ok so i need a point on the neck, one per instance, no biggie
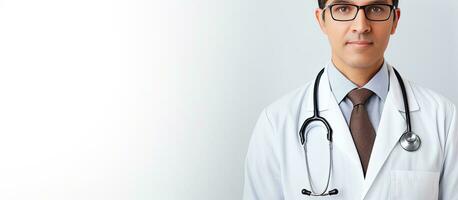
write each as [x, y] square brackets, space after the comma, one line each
[359, 75]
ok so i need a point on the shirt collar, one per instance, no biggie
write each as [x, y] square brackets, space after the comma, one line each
[341, 86]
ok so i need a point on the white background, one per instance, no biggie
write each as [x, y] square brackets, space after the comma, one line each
[76, 99]
[157, 100]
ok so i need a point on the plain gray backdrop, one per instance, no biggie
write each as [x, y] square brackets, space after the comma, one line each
[233, 58]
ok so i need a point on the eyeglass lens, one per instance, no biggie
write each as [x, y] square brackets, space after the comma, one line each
[346, 12]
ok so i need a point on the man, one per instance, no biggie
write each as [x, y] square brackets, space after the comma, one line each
[361, 97]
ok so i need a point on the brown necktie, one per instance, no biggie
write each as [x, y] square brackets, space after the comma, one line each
[361, 128]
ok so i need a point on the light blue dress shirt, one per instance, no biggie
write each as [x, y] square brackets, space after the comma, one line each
[341, 86]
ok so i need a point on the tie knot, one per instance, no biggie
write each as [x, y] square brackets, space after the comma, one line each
[359, 96]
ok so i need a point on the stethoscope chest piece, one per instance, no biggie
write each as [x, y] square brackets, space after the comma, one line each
[410, 141]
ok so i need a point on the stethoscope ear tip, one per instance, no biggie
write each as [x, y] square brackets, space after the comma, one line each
[334, 192]
[306, 192]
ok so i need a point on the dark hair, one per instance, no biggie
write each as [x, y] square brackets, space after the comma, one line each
[322, 3]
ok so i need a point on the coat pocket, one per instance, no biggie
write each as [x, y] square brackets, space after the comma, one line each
[414, 185]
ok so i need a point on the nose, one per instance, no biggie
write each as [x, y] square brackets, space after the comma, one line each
[361, 24]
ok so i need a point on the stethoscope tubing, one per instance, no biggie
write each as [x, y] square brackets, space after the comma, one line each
[404, 98]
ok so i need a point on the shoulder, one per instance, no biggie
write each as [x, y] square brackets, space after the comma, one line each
[429, 99]
[289, 105]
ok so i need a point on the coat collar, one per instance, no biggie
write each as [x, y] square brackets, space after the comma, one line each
[396, 89]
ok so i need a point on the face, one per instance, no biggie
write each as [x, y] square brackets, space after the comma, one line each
[360, 43]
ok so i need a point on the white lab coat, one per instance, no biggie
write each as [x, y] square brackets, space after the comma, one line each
[275, 164]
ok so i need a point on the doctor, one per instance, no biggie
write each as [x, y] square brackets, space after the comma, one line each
[366, 153]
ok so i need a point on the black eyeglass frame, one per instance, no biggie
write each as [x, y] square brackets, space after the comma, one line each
[392, 7]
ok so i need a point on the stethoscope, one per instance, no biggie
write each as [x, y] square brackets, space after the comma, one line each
[409, 141]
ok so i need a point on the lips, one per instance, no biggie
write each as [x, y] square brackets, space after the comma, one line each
[360, 42]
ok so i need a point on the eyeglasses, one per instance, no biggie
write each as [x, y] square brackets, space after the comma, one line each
[348, 12]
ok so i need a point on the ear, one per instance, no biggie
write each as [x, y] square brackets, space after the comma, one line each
[397, 13]
[320, 20]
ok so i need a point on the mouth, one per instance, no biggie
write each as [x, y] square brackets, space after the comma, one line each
[360, 43]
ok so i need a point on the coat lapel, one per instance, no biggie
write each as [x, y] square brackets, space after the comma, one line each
[392, 126]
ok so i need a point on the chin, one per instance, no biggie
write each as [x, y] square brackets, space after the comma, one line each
[363, 61]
